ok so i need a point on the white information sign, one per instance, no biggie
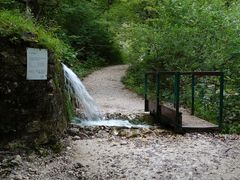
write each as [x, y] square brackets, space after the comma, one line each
[37, 64]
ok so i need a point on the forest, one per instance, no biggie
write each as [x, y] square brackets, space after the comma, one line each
[167, 35]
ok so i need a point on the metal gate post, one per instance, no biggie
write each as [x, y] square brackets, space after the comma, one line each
[177, 98]
[193, 94]
[174, 95]
[158, 94]
[221, 101]
[145, 92]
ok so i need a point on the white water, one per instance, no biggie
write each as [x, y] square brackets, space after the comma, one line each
[85, 101]
[110, 122]
[83, 98]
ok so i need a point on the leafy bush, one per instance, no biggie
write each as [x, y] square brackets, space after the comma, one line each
[86, 34]
[185, 35]
[87, 42]
[14, 23]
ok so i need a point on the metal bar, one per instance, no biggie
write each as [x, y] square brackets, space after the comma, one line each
[151, 72]
[196, 73]
[167, 72]
[158, 95]
[203, 73]
[146, 92]
[146, 85]
[221, 101]
[174, 91]
[193, 94]
[177, 98]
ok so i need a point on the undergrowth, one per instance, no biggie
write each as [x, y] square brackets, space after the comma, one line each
[15, 23]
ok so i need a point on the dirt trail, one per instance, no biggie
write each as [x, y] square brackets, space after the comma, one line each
[105, 153]
[110, 94]
[166, 156]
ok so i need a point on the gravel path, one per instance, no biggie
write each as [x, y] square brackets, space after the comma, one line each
[110, 94]
[102, 153]
[167, 156]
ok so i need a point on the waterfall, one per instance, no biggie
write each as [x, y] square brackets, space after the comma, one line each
[83, 98]
[90, 109]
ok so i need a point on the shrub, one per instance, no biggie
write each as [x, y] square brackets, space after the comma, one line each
[86, 34]
[185, 35]
[14, 23]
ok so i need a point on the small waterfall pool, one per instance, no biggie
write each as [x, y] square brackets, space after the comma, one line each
[84, 101]
[110, 122]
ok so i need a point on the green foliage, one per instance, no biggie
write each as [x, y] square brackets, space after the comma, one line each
[183, 35]
[89, 37]
[40, 9]
[77, 23]
[10, 4]
[13, 23]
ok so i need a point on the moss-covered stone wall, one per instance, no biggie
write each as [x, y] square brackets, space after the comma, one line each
[33, 110]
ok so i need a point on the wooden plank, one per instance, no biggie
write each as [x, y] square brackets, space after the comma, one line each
[189, 123]
[168, 112]
[195, 124]
[168, 116]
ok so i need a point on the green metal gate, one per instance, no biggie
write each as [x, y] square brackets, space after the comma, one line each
[173, 117]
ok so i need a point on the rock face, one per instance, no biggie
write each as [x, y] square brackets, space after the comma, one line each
[33, 110]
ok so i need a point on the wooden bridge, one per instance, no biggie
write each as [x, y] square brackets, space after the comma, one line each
[174, 115]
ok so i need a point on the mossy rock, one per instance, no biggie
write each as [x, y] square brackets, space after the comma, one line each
[33, 110]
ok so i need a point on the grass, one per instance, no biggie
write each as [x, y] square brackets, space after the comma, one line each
[16, 25]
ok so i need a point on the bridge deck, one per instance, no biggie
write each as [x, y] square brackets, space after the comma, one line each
[189, 122]
[177, 117]
[193, 123]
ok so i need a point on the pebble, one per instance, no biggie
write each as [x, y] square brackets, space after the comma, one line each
[73, 131]
[75, 138]
[124, 143]
[115, 132]
[78, 165]
[17, 160]
[113, 165]
[18, 177]
[32, 170]
[70, 172]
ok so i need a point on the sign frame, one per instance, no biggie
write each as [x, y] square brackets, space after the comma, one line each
[37, 64]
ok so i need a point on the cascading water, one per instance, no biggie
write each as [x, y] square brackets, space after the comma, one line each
[83, 98]
[90, 109]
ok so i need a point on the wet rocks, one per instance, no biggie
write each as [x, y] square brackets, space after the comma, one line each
[126, 116]
[73, 131]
